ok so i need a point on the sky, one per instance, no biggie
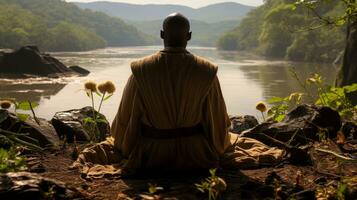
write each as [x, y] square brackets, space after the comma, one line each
[191, 3]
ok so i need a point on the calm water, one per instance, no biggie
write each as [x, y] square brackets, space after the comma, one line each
[245, 79]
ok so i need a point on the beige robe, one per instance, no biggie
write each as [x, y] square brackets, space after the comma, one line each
[173, 89]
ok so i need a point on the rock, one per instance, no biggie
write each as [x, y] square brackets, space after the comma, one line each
[80, 70]
[24, 185]
[349, 129]
[71, 123]
[43, 133]
[29, 60]
[300, 125]
[242, 123]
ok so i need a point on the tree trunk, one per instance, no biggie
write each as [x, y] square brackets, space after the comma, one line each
[348, 72]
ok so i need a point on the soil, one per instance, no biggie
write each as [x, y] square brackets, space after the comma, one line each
[326, 171]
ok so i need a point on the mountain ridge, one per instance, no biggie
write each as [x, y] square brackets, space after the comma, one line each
[149, 12]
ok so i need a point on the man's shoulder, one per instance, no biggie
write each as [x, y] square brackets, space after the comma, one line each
[147, 60]
[205, 63]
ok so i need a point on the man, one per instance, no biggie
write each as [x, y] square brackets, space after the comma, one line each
[172, 114]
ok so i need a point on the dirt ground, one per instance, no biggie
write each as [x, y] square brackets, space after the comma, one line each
[326, 171]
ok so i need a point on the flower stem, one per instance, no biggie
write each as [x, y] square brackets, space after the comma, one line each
[101, 102]
[263, 116]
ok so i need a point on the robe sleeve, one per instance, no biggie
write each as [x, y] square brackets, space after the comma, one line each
[125, 127]
[215, 118]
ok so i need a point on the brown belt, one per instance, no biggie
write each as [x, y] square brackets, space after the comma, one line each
[154, 133]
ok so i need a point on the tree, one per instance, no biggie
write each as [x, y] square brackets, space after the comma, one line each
[347, 17]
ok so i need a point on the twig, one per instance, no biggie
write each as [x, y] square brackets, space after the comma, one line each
[33, 113]
[336, 154]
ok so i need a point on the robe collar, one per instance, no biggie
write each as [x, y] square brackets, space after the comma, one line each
[174, 50]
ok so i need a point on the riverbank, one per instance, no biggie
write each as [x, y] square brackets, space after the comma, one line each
[314, 166]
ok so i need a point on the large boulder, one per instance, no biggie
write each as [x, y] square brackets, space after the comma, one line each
[29, 60]
[24, 185]
[304, 124]
[40, 132]
[72, 123]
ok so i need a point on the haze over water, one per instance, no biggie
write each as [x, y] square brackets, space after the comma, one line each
[245, 79]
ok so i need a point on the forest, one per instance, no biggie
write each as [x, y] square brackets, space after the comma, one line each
[54, 25]
[276, 30]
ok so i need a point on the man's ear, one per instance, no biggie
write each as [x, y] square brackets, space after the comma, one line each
[189, 36]
[162, 34]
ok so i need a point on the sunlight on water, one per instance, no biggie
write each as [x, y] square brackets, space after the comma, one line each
[245, 79]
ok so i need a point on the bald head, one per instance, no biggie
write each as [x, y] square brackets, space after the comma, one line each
[176, 30]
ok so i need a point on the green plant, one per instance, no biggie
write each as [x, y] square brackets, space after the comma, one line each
[213, 185]
[153, 188]
[324, 95]
[6, 104]
[104, 91]
[16, 138]
[11, 161]
[341, 191]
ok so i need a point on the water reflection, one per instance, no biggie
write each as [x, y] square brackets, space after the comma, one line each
[30, 90]
[245, 79]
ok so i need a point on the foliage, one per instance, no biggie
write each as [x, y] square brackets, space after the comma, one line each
[104, 91]
[25, 105]
[11, 161]
[56, 25]
[343, 190]
[275, 30]
[153, 188]
[349, 13]
[315, 91]
[213, 185]
[16, 138]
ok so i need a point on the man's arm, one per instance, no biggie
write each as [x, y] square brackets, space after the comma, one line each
[215, 118]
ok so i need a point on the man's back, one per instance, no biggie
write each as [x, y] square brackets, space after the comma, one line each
[173, 84]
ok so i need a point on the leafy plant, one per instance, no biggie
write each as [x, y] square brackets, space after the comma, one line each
[25, 105]
[104, 91]
[212, 185]
[11, 161]
[153, 188]
[325, 95]
[16, 138]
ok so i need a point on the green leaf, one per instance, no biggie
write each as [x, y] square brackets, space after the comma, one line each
[279, 118]
[88, 120]
[98, 94]
[276, 100]
[22, 117]
[350, 88]
[101, 121]
[107, 97]
[26, 105]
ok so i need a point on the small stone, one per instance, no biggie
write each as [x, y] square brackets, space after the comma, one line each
[242, 123]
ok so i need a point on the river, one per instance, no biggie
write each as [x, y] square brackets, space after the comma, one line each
[245, 79]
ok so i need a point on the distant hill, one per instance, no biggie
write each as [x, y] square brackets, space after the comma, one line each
[150, 12]
[212, 13]
[204, 34]
[56, 25]
[207, 23]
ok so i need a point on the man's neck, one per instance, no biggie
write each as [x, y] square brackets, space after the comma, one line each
[174, 49]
